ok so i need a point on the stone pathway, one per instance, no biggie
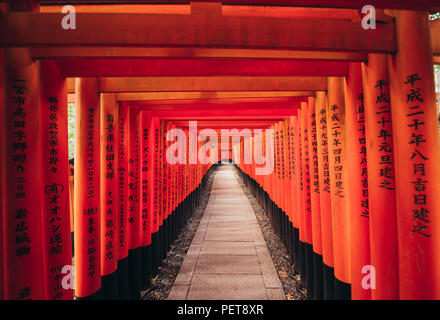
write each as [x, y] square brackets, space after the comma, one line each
[228, 258]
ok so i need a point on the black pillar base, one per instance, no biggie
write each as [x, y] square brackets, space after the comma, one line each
[146, 267]
[286, 231]
[342, 290]
[302, 263]
[291, 239]
[297, 250]
[308, 251]
[168, 240]
[109, 286]
[95, 296]
[154, 254]
[161, 241]
[134, 258]
[329, 282]
[318, 285]
[72, 239]
[123, 279]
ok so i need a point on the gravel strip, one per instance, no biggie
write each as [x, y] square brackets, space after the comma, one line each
[163, 282]
[284, 263]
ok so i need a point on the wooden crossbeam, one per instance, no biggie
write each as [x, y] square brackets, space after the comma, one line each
[206, 84]
[121, 8]
[428, 5]
[226, 124]
[199, 31]
[235, 10]
[208, 95]
[133, 52]
[226, 10]
[223, 104]
[198, 95]
[224, 114]
[199, 67]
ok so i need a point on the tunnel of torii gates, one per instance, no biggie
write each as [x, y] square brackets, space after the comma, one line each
[355, 186]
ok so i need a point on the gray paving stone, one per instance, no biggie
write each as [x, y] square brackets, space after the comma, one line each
[178, 292]
[229, 247]
[229, 218]
[228, 235]
[188, 266]
[228, 264]
[257, 235]
[228, 225]
[269, 272]
[275, 294]
[227, 287]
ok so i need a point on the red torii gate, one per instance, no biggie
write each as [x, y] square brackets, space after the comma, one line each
[400, 134]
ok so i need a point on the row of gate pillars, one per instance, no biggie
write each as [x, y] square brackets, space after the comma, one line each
[129, 204]
[135, 272]
[353, 194]
[384, 110]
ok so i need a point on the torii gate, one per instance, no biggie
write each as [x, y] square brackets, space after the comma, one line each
[353, 111]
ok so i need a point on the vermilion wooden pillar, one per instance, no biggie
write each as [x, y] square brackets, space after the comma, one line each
[154, 203]
[288, 153]
[133, 203]
[277, 179]
[314, 177]
[21, 223]
[357, 194]
[281, 128]
[285, 182]
[381, 178]
[275, 176]
[174, 189]
[109, 194]
[338, 185]
[306, 194]
[122, 216]
[161, 192]
[291, 122]
[288, 166]
[282, 181]
[307, 209]
[169, 192]
[300, 184]
[146, 217]
[55, 211]
[133, 208]
[417, 157]
[295, 187]
[179, 187]
[175, 199]
[166, 187]
[299, 255]
[315, 191]
[186, 170]
[87, 189]
[324, 195]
